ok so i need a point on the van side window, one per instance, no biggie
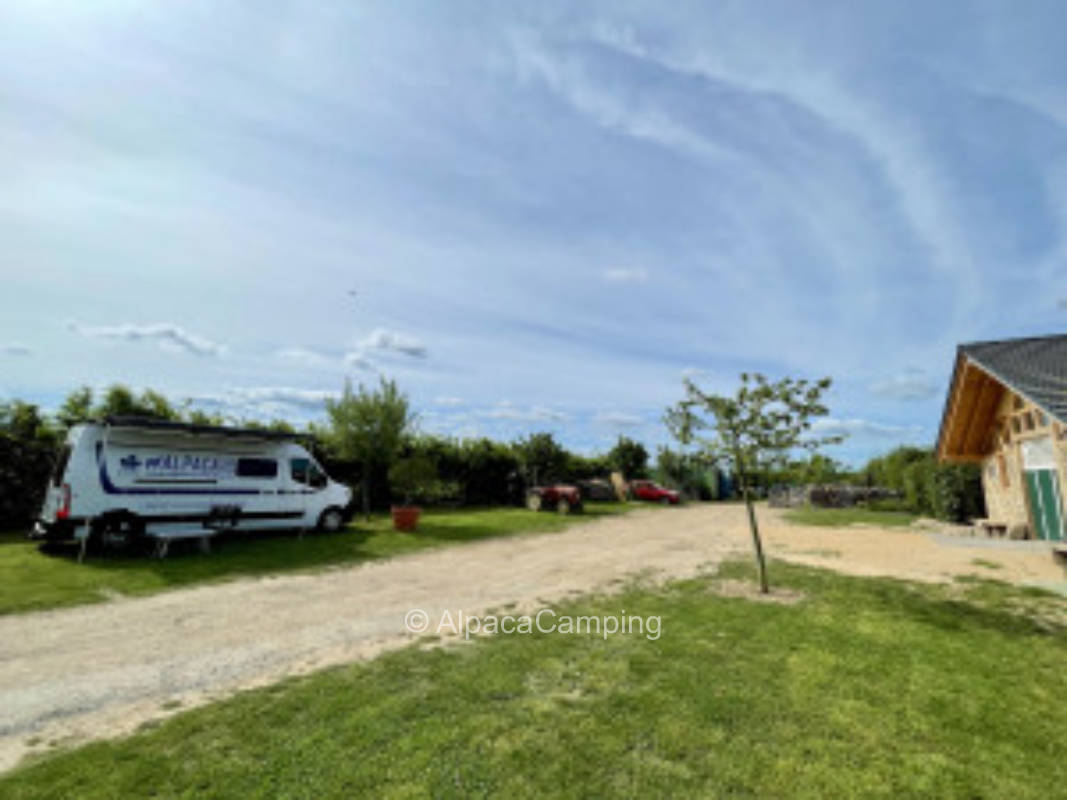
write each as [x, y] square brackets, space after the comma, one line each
[257, 468]
[61, 465]
[317, 478]
[299, 468]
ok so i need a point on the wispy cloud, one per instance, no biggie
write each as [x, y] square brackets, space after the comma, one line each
[167, 335]
[618, 419]
[305, 356]
[625, 275]
[314, 399]
[392, 341]
[512, 413]
[357, 360]
[265, 400]
[912, 384]
[448, 401]
[863, 428]
[383, 342]
[15, 349]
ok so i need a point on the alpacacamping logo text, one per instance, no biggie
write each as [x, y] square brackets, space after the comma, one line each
[459, 623]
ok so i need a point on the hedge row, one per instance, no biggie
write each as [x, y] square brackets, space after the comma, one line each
[951, 492]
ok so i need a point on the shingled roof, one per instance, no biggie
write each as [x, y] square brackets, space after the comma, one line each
[1034, 368]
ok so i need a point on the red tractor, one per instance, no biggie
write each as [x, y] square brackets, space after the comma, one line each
[561, 497]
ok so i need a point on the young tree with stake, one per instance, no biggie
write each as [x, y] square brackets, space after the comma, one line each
[755, 429]
[369, 426]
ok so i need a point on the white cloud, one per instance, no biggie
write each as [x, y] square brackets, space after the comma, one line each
[15, 349]
[167, 335]
[909, 385]
[382, 339]
[449, 401]
[618, 419]
[862, 428]
[625, 275]
[305, 357]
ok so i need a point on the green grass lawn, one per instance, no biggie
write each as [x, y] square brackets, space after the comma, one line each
[31, 579]
[840, 517]
[866, 687]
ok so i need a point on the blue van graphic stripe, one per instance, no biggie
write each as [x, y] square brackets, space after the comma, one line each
[110, 488]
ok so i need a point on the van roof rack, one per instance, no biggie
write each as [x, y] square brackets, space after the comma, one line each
[154, 423]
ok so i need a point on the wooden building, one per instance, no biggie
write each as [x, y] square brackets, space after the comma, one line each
[1007, 410]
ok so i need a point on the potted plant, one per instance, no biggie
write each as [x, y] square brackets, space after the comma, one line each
[411, 479]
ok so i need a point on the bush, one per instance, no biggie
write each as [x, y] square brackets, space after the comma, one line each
[24, 470]
[952, 492]
[688, 473]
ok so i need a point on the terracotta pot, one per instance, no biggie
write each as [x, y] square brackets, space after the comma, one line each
[406, 518]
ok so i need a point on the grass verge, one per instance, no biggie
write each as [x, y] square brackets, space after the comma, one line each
[31, 579]
[841, 517]
[866, 687]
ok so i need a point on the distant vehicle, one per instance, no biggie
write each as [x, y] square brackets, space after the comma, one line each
[563, 498]
[131, 479]
[652, 492]
[597, 489]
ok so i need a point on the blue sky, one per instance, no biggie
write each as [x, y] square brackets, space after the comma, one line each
[534, 216]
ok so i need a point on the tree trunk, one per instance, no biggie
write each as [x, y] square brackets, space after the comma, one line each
[366, 497]
[757, 544]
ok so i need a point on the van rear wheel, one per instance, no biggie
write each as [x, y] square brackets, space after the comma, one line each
[331, 520]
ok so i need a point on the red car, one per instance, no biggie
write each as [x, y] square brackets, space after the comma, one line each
[647, 490]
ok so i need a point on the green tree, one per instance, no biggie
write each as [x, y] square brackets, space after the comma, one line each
[413, 479]
[196, 416]
[689, 472]
[77, 407]
[756, 430]
[818, 469]
[120, 400]
[542, 458]
[629, 457]
[24, 422]
[369, 426]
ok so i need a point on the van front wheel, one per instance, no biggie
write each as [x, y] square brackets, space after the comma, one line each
[331, 520]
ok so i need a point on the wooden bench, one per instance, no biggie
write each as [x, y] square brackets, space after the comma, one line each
[163, 540]
[991, 528]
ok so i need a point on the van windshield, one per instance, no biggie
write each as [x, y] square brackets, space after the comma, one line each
[306, 471]
[60, 466]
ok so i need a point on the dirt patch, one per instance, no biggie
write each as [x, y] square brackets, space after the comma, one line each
[749, 590]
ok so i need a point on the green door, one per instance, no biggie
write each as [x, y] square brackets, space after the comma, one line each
[1044, 490]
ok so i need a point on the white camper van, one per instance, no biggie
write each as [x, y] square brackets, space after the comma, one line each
[131, 477]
